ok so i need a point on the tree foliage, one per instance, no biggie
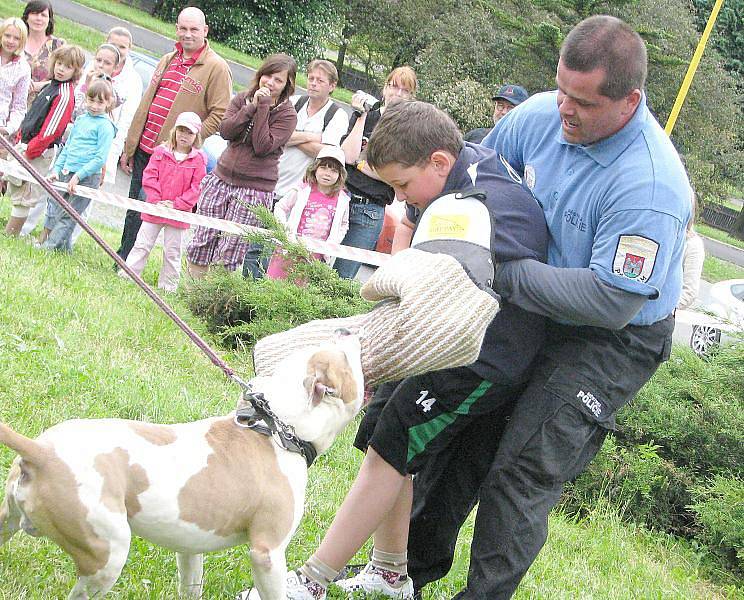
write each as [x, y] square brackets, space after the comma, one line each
[262, 27]
[728, 34]
[463, 50]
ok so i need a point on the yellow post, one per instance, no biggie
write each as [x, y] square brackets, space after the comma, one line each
[682, 94]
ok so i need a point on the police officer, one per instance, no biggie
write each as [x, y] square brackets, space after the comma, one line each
[616, 199]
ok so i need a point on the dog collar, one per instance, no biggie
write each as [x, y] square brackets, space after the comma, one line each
[258, 417]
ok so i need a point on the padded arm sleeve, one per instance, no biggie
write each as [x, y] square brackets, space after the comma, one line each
[577, 296]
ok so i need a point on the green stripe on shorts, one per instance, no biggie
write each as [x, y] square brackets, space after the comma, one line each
[420, 435]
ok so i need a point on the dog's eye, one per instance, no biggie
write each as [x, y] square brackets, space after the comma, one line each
[331, 391]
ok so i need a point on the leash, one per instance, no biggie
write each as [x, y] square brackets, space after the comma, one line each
[284, 432]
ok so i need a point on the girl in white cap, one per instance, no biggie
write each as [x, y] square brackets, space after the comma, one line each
[319, 209]
[171, 179]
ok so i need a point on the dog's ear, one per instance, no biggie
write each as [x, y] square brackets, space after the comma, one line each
[315, 389]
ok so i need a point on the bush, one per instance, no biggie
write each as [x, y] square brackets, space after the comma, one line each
[719, 508]
[262, 27]
[638, 483]
[243, 311]
[467, 102]
[685, 425]
[692, 409]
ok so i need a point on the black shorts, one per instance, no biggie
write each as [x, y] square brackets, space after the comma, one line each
[409, 421]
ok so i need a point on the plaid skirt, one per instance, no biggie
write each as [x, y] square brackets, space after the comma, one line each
[229, 202]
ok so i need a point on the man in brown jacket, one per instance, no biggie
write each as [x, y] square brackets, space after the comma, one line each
[191, 78]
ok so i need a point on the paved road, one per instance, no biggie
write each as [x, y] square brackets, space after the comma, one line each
[724, 251]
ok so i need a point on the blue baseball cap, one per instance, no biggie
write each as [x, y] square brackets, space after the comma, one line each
[514, 94]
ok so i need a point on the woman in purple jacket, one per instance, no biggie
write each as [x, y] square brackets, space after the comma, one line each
[257, 124]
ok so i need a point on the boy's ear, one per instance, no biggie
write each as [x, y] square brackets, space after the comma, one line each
[442, 162]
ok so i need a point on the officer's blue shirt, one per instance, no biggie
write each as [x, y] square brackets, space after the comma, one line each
[619, 207]
[518, 228]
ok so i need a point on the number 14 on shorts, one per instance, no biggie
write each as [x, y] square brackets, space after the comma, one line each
[425, 401]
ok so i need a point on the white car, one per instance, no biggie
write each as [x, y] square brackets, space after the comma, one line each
[720, 318]
[145, 65]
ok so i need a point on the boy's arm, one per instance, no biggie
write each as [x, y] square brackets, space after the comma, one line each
[403, 235]
[57, 119]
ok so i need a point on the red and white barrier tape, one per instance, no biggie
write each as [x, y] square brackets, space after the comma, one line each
[322, 247]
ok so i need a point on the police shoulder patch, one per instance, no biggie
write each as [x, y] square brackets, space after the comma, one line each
[635, 257]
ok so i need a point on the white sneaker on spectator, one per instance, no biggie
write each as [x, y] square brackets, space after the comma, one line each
[373, 580]
[299, 587]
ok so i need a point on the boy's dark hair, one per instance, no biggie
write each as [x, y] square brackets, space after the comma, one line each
[73, 56]
[274, 64]
[409, 132]
[39, 6]
[604, 42]
[326, 162]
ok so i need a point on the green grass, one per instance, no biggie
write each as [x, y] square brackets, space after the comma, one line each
[77, 341]
[715, 269]
[719, 235]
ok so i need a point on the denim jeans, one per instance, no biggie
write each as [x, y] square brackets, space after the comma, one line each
[253, 265]
[365, 226]
[59, 222]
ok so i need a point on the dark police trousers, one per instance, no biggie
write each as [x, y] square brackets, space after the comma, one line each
[583, 375]
[133, 220]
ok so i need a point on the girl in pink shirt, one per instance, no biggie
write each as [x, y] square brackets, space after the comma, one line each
[319, 209]
[171, 179]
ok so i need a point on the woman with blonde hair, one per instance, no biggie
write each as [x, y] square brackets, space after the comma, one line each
[369, 195]
[15, 75]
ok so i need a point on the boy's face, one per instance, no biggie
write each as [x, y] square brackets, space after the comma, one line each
[62, 71]
[417, 185]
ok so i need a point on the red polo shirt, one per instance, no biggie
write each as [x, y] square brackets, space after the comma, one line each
[165, 95]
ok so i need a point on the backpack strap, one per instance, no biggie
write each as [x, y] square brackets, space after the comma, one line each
[329, 114]
[302, 101]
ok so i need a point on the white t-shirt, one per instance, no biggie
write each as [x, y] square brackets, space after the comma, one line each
[294, 162]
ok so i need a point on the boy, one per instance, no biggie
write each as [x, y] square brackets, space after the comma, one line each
[418, 150]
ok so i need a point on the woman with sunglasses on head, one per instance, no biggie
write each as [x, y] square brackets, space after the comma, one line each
[369, 195]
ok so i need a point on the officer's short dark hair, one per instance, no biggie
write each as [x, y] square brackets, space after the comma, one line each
[604, 42]
[409, 132]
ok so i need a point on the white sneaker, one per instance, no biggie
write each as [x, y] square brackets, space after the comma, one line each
[372, 580]
[299, 587]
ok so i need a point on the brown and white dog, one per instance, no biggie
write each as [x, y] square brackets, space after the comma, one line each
[193, 487]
